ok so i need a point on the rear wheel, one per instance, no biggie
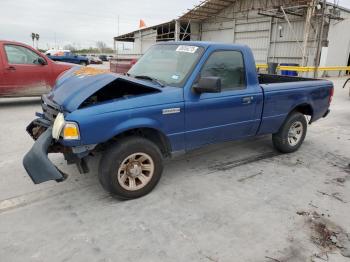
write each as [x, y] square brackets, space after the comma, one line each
[83, 63]
[292, 133]
[131, 168]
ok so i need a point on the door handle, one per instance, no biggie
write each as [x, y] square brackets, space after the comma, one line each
[247, 100]
[11, 68]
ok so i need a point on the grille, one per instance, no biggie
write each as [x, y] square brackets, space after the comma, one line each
[50, 109]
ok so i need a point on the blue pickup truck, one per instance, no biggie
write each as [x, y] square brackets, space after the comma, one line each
[68, 57]
[179, 96]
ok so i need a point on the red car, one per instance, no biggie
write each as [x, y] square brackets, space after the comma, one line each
[26, 72]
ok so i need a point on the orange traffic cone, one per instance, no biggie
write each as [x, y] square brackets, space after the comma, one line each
[142, 24]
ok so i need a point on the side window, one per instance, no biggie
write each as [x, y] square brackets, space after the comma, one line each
[20, 55]
[229, 66]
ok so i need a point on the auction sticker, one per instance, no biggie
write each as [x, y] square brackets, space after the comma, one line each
[176, 77]
[187, 48]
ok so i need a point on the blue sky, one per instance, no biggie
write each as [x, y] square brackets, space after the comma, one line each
[83, 22]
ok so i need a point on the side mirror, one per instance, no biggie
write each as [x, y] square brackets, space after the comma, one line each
[41, 61]
[209, 84]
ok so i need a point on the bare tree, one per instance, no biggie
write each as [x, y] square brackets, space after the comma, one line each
[69, 47]
[101, 46]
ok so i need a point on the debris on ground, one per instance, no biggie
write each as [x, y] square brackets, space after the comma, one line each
[335, 195]
[340, 180]
[326, 235]
[303, 213]
[273, 259]
[323, 256]
[249, 177]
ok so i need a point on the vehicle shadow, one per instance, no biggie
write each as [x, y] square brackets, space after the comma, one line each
[220, 157]
[206, 161]
[14, 102]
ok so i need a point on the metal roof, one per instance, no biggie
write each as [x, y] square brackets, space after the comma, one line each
[212, 8]
[207, 9]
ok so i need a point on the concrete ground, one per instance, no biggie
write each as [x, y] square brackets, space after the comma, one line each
[238, 201]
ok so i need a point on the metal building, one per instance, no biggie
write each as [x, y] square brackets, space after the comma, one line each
[303, 32]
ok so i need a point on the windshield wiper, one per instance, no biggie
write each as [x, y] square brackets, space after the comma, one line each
[151, 79]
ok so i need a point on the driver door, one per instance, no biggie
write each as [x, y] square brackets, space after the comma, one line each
[23, 74]
[227, 115]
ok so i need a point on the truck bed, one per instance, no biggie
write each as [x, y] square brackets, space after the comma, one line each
[272, 79]
[283, 93]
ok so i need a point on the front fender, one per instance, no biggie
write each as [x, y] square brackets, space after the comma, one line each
[134, 123]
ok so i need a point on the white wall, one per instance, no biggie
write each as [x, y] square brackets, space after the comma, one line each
[254, 32]
[339, 44]
[218, 32]
[144, 40]
[195, 34]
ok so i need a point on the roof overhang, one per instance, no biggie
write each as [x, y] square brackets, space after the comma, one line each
[130, 37]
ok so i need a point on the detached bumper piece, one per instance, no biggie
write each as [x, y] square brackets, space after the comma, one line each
[327, 112]
[37, 164]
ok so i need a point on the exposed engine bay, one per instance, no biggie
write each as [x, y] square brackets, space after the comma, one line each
[119, 88]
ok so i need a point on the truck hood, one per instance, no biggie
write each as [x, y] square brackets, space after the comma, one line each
[78, 84]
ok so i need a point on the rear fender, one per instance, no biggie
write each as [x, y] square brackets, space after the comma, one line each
[305, 108]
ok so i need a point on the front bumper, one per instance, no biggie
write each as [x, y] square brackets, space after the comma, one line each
[37, 163]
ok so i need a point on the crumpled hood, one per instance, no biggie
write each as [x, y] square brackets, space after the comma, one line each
[78, 84]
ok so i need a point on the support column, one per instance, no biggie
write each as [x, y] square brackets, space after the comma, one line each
[319, 40]
[177, 30]
[310, 13]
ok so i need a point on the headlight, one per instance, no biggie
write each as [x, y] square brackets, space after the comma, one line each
[71, 131]
[68, 130]
[58, 126]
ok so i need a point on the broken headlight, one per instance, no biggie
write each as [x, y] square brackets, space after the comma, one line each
[67, 130]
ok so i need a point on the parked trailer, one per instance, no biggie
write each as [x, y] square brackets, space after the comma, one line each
[121, 65]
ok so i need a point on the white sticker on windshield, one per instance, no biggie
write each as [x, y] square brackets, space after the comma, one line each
[187, 48]
[176, 77]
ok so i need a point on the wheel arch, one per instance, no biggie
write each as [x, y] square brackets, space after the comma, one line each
[150, 133]
[304, 108]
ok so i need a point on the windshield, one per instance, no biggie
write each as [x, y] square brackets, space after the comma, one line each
[170, 64]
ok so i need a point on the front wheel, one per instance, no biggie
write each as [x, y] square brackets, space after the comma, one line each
[83, 63]
[292, 133]
[131, 168]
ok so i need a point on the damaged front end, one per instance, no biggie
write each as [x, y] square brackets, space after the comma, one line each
[53, 132]
[42, 130]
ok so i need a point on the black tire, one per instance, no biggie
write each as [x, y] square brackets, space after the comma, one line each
[113, 159]
[83, 63]
[281, 139]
